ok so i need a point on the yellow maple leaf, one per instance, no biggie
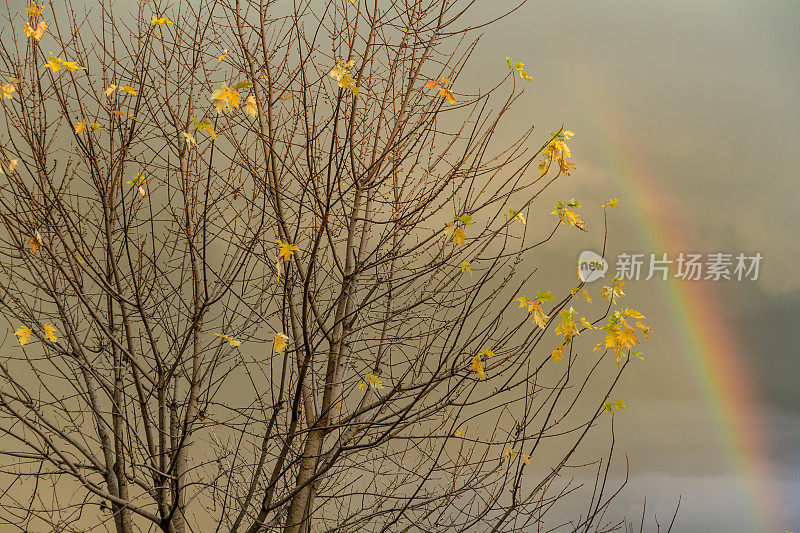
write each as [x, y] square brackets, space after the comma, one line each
[250, 107]
[53, 64]
[79, 126]
[33, 10]
[557, 355]
[50, 332]
[465, 268]
[286, 250]
[279, 342]
[341, 73]
[374, 381]
[24, 334]
[71, 66]
[7, 91]
[38, 33]
[110, 89]
[476, 365]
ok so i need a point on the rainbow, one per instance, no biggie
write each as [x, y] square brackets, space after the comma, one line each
[709, 344]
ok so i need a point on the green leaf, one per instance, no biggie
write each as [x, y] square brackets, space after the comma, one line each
[544, 296]
[242, 85]
[466, 219]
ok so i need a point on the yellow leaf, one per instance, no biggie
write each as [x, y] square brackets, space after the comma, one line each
[24, 334]
[460, 432]
[50, 333]
[7, 90]
[341, 73]
[12, 164]
[110, 89]
[286, 250]
[160, 21]
[71, 65]
[222, 56]
[79, 127]
[33, 10]
[361, 385]
[128, 89]
[54, 63]
[189, 138]
[374, 381]
[526, 458]
[37, 34]
[447, 93]
[476, 365]
[586, 296]
[279, 342]
[251, 108]
[588, 325]
[233, 342]
[557, 355]
[465, 268]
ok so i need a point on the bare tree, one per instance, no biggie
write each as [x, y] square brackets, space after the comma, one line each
[266, 263]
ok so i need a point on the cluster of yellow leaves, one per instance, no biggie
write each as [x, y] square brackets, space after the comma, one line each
[614, 292]
[122, 88]
[442, 86]
[535, 307]
[510, 453]
[558, 151]
[233, 342]
[79, 126]
[456, 229]
[614, 202]
[55, 64]
[341, 73]
[621, 336]
[477, 362]
[24, 334]
[160, 21]
[518, 67]
[279, 342]
[612, 407]
[225, 98]
[33, 11]
[516, 215]
[565, 213]
[138, 181]
[569, 329]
